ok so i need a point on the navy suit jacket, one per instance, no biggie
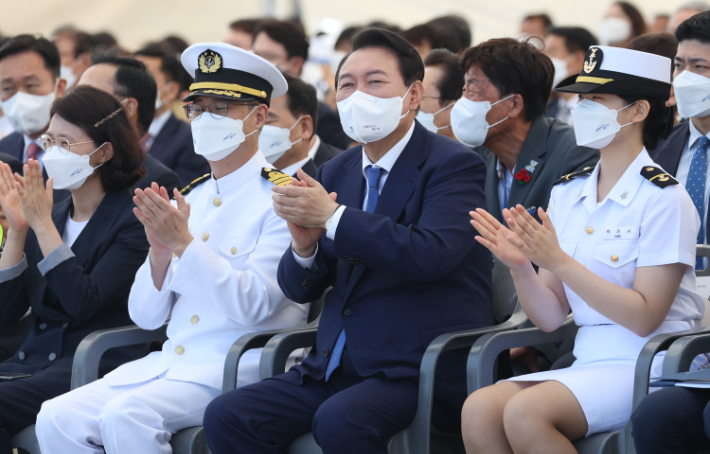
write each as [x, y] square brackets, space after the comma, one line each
[81, 295]
[173, 147]
[325, 153]
[14, 145]
[406, 273]
[329, 129]
[14, 164]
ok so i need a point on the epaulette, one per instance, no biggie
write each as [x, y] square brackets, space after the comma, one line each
[585, 172]
[658, 176]
[275, 176]
[186, 190]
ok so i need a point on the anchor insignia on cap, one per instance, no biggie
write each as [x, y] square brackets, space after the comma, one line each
[591, 64]
[209, 61]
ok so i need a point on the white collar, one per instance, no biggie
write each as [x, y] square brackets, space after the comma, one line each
[157, 125]
[291, 170]
[694, 134]
[387, 161]
[241, 176]
[624, 190]
[314, 149]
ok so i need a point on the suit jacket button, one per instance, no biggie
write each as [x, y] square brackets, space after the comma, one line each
[21, 355]
[42, 326]
[326, 352]
[52, 356]
[347, 257]
[347, 313]
[65, 324]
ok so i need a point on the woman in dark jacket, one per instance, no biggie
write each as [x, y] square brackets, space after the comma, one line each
[73, 264]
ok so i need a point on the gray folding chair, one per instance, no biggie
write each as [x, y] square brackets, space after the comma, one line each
[481, 367]
[85, 369]
[420, 437]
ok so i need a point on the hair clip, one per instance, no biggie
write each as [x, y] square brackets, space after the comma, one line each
[108, 118]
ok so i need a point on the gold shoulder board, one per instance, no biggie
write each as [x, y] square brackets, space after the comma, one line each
[658, 176]
[275, 176]
[585, 172]
[186, 190]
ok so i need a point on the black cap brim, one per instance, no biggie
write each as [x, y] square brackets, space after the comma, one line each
[628, 87]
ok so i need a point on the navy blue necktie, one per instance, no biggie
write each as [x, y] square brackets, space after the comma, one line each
[697, 177]
[373, 194]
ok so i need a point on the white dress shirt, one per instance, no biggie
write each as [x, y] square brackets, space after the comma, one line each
[156, 126]
[386, 163]
[314, 149]
[505, 180]
[686, 158]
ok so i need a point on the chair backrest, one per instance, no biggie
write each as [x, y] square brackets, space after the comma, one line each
[504, 295]
[317, 306]
[703, 250]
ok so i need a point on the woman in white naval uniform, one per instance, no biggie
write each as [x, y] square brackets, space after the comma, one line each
[616, 246]
[211, 270]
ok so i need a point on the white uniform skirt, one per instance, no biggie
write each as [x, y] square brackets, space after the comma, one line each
[602, 377]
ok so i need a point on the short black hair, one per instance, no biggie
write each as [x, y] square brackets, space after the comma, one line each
[302, 99]
[132, 80]
[696, 28]
[514, 67]
[576, 38]
[420, 33]
[410, 63]
[28, 43]
[245, 25]
[83, 42]
[346, 36]
[287, 34]
[659, 122]
[544, 17]
[104, 40]
[450, 85]
[385, 25]
[454, 30]
[174, 44]
[86, 107]
[638, 24]
[169, 64]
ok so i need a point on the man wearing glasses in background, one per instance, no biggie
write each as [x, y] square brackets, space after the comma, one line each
[211, 268]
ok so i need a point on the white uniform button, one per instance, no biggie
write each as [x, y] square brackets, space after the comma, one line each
[217, 201]
[179, 350]
[614, 258]
[590, 230]
[194, 319]
[205, 236]
[234, 251]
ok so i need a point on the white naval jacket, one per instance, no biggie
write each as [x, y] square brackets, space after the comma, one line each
[222, 287]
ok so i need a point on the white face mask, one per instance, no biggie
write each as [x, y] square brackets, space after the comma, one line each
[692, 94]
[159, 102]
[27, 113]
[215, 139]
[595, 125]
[561, 72]
[69, 170]
[67, 73]
[614, 30]
[366, 118]
[427, 119]
[275, 141]
[468, 120]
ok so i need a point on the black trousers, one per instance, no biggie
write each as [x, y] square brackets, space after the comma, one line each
[674, 420]
[21, 400]
[13, 336]
[347, 414]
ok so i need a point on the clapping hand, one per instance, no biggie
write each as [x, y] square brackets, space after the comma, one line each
[10, 200]
[36, 197]
[165, 225]
[498, 239]
[537, 241]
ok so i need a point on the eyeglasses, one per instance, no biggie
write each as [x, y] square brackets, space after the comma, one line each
[217, 110]
[64, 145]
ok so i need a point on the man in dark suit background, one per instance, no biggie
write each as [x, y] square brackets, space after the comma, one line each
[288, 141]
[525, 152]
[129, 80]
[168, 139]
[286, 46]
[393, 240]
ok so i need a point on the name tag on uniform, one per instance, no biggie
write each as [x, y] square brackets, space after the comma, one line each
[620, 233]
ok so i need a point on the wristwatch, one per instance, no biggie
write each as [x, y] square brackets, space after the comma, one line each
[329, 221]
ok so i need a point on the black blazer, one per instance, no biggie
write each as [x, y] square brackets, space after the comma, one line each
[325, 153]
[13, 145]
[173, 147]
[310, 168]
[15, 164]
[552, 144]
[81, 295]
[329, 128]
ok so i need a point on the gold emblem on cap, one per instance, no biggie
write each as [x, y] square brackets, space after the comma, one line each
[209, 62]
[591, 64]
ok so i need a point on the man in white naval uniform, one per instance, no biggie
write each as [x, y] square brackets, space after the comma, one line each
[211, 270]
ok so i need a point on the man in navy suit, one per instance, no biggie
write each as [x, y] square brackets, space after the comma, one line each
[384, 225]
[169, 140]
[129, 80]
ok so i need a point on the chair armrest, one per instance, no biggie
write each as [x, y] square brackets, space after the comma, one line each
[681, 353]
[85, 368]
[481, 359]
[277, 350]
[418, 435]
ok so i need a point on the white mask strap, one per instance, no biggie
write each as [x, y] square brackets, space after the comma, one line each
[405, 95]
[625, 108]
[496, 124]
[294, 125]
[441, 110]
[249, 115]
[501, 100]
